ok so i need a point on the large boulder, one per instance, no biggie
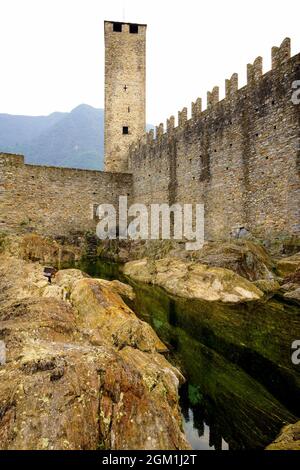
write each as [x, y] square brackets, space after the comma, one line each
[288, 266]
[244, 257]
[293, 295]
[34, 247]
[124, 290]
[106, 315]
[290, 288]
[65, 279]
[288, 439]
[268, 286]
[81, 373]
[193, 280]
[20, 279]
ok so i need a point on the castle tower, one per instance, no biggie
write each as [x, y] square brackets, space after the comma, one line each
[125, 90]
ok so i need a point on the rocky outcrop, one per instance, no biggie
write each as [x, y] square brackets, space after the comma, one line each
[288, 266]
[34, 247]
[193, 280]
[293, 296]
[288, 439]
[244, 257]
[103, 314]
[290, 288]
[268, 286]
[81, 371]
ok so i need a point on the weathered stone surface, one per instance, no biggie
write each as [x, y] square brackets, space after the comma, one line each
[64, 281]
[105, 313]
[267, 286]
[246, 258]
[54, 201]
[193, 280]
[238, 157]
[20, 279]
[61, 389]
[124, 290]
[290, 288]
[123, 251]
[290, 265]
[47, 251]
[293, 296]
[125, 92]
[67, 277]
[288, 439]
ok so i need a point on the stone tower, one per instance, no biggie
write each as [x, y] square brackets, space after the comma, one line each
[125, 90]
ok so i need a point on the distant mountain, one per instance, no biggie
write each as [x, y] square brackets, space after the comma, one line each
[74, 139]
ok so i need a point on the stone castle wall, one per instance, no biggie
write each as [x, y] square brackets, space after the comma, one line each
[54, 201]
[240, 157]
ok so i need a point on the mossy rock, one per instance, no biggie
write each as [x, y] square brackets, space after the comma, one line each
[244, 257]
[268, 286]
[288, 266]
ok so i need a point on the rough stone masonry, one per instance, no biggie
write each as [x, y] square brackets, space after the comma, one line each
[240, 156]
[125, 90]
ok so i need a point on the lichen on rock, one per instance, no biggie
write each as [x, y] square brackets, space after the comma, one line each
[82, 371]
[193, 280]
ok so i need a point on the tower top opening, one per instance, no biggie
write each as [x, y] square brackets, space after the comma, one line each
[124, 22]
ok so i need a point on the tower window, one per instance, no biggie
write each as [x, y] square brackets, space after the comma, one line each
[117, 27]
[125, 130]
[133, 28]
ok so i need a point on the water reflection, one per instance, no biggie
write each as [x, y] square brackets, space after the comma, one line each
[241, 385]
[201, 436]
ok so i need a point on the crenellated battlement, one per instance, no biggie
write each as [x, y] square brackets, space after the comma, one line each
[231, 86]
[182, 117]
[159, 132]
[213, 97]
[197, 108]
[280, 57]
[170, 124]
[239, 157]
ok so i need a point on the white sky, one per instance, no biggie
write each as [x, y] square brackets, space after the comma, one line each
[52, 51]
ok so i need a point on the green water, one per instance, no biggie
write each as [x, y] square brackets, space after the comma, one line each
[241, 384]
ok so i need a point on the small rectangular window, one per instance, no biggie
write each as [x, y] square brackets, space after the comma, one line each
[133, 28]
[125, 130]
[117, 27]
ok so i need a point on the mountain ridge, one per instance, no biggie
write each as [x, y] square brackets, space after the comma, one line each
[72, 139]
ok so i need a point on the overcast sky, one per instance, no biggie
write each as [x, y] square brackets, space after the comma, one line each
[52, 51]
